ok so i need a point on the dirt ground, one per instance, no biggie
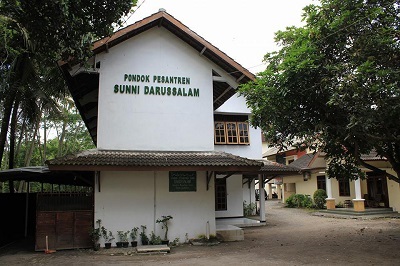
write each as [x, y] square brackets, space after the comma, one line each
[291, 237]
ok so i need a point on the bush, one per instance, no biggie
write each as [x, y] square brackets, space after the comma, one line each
[248, 209]
[299, 201]
[319, 198]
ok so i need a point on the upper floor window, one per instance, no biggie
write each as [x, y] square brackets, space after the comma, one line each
[231, 129]
[219, 133]
[231, 133]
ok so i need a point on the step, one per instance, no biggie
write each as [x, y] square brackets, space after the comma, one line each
[374, 211]
[228, 233]
[153, 249]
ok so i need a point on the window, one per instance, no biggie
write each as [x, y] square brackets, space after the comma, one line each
[231, 133]
[321, 182]
[220, 194]
[219, 137]
[344, 187]
[243, 129]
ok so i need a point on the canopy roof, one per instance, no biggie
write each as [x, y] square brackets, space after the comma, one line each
[44, 175]
[96, 160]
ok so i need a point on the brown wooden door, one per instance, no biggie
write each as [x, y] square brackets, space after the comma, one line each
[66, 220]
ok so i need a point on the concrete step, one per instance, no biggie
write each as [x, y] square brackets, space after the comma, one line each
[370, 211]
[228, 233]
[153, 249]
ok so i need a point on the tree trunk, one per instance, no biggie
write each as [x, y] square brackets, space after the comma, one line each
[21, 136]
[28, 156]
[8, 104]
[13, 125]
[61, 139]
[44, 139]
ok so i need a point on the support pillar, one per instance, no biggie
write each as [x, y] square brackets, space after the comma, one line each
[262, 197]
[279, 191]
[269, 187]
[330, 201]
[358, 202]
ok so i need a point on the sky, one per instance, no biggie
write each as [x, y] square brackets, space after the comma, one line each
[244, 30]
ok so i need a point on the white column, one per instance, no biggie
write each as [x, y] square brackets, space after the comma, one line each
[279, 191]
[328, 187]
[358, 202]
[262, 197]
[330, 201]
[269, 191]
[357, 186]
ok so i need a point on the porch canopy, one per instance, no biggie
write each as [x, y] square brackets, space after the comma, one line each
[43, 174]
[108, 160]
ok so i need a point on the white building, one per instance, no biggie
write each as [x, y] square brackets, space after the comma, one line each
[172, 137]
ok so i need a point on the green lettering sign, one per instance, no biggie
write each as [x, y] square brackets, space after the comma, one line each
[184, 181]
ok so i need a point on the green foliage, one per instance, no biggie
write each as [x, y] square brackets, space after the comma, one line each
[176, 242]
[299, 201]
[107, 235]
[164, 221]
[143, 236]
[154, 240]
[334, 85]
[35, 35]
[62, 28]
[95, 233]
[133, 233]
[248, 209]
[123, 236]
[319, 198]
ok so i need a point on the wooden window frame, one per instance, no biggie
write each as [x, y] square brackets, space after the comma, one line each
[232, 137]
[244, 131]
[216, 136]
[231, 134]
[221, 195]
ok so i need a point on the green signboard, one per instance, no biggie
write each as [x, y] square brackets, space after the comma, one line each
[184, 181]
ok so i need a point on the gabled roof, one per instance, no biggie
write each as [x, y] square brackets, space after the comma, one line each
[84, 85]
[277, 168]
[96, 160]
[304, 162]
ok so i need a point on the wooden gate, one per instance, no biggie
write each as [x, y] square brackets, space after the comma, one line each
[65, 218]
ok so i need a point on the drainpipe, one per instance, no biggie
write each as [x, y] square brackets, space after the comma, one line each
[155, 203]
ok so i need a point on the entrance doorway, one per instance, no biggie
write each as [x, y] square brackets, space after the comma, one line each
[377, 190]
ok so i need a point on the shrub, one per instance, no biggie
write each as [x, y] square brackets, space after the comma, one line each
[248, 209]
[299, 201]
[320, 198]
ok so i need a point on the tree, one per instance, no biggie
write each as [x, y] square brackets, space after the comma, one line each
[334, 85]
[35, 35]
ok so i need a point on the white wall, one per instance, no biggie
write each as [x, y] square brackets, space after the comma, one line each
[237, 105]
[234, 197]
[131, 199]
[249, 194]
[252, 151]
[154, 122]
